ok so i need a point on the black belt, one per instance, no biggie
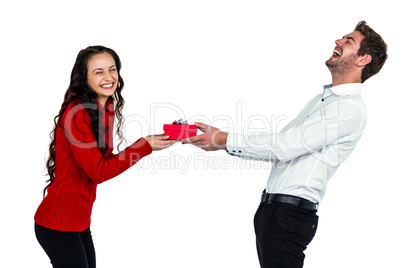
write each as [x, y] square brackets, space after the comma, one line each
[288, 199]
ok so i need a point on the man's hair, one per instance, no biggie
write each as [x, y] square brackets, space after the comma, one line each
[373, 45]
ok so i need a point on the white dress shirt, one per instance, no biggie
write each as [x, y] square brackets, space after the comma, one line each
[307, 152]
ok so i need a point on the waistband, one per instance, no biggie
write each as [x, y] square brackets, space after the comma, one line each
[288, 199]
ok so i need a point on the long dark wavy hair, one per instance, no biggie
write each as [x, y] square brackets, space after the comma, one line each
[80, 90]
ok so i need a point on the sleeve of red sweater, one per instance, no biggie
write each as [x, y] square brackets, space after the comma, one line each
[84, 148]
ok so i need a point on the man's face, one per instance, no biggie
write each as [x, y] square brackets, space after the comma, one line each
[344, 56]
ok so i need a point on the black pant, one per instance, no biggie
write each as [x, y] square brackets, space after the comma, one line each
[67, 249]
[283, 232]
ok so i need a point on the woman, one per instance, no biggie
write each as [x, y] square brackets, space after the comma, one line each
[80, 157]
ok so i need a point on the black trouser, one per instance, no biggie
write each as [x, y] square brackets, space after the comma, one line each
[283, 232]
[67, 249]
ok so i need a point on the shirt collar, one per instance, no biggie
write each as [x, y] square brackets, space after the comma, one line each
[344, 89]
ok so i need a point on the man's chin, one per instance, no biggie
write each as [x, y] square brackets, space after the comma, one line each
[330, 63]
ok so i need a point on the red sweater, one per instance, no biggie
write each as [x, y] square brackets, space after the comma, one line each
[80, 166]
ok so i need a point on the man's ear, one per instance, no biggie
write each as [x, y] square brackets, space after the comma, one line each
[364, 60]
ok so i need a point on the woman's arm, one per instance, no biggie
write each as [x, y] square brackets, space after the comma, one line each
[100, 168]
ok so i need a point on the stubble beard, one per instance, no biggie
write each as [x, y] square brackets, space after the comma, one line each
[342, 65]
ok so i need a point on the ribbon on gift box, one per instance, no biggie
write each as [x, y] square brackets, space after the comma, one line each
[180, 122]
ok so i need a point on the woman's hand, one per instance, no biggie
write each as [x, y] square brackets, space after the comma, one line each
[159, 142]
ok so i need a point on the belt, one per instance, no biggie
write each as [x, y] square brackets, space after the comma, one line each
[288, 199]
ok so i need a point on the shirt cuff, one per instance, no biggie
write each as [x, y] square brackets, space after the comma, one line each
[233, 144]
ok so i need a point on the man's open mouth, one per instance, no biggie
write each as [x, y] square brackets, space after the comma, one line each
[337, 53]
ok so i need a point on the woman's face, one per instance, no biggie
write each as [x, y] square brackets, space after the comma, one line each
[102, 76]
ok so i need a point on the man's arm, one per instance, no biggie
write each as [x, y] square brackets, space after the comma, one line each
[336, 123]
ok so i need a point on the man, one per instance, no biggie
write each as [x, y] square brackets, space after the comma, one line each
[306, 152]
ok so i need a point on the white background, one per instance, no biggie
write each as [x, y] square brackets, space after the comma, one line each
[235, 59]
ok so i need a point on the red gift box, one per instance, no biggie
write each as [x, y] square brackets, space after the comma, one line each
[178, 131]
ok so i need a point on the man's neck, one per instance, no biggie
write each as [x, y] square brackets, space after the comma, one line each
[345, 79]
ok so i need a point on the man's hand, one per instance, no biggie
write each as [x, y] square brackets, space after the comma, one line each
[159, 142]
[211, 140]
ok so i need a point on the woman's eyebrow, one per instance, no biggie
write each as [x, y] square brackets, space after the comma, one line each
[97, 69]
[101, 69]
